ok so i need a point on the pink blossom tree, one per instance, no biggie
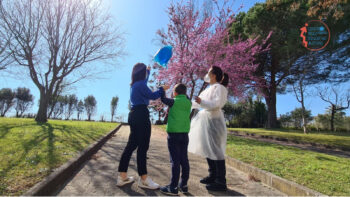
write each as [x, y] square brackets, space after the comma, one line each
[200, 39]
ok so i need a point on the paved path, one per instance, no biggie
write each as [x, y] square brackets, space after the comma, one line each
[98, 175]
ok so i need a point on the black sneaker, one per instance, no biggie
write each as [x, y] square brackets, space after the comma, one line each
[216, 187]
[207, 180]
[183, 189]
[169, 190]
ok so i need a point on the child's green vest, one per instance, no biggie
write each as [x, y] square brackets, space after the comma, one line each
[179, 115]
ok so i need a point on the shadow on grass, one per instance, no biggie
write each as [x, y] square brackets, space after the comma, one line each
[29, 145]
[5, 128]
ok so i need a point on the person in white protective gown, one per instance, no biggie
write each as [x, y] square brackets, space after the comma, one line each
[208, 134]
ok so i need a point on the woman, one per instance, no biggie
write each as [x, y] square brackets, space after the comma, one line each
[140, 127]
[208, 134]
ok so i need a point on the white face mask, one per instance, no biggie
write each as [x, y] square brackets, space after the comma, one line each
[207, 78]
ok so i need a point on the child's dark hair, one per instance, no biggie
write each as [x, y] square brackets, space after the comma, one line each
[180, 88]
[225, 80]
[217, 72]
[138, 73]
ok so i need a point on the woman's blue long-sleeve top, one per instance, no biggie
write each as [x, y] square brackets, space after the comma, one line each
[140, 94]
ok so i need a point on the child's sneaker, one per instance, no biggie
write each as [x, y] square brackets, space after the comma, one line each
[183, 189]
[169, 190]
[148, 183]
[121, 182]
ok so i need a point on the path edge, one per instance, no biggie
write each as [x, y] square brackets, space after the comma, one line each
[50, 184]
[317, 145]
[288, 187]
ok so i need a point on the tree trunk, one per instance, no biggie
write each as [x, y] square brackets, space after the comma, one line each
[303, 117]
[42, 112]
[271, 108]
[332, 117]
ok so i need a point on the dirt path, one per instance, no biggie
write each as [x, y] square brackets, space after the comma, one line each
[98, 175]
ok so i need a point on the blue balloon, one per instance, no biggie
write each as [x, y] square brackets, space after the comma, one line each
[163, 56]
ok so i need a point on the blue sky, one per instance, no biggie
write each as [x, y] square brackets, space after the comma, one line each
[140, 20]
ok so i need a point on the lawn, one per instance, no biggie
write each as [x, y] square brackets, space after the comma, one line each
[334, 139]
[324, 173]
[30, 151]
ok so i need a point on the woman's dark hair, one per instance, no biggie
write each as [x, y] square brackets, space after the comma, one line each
[225, 80]
[138, 73]
[217, 72]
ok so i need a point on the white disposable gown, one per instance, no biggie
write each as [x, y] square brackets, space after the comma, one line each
[208, 134]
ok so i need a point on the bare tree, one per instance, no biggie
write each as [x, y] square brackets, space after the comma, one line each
[58, 40]
[5, 59]
[114, 104]
[72, 102]
[80, 109]
[24, 100]
[90, 106]
[339, 100]
[299, 91]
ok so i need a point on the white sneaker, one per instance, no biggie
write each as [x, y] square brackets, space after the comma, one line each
[148, 183]
[121, 182]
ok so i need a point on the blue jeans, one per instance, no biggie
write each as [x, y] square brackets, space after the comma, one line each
[177, 145]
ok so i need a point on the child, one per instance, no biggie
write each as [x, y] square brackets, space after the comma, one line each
[140, 127]
[177, 128]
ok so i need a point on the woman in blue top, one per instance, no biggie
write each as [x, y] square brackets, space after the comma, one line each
[140, 127]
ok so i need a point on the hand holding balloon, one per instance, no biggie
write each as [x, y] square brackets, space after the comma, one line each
[165, 87]
[198, 100]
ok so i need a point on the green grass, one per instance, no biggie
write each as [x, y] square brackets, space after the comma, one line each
[30, 151]
[324, 173]
[334, 139]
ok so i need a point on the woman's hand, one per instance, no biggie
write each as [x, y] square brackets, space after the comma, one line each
[198, 100]
[165, 87]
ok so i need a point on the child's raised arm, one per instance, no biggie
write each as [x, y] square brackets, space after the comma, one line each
[168, 101]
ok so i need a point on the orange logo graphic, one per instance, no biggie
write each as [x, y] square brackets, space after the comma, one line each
[315, 35]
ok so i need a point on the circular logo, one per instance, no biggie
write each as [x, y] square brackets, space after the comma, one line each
[315, 35]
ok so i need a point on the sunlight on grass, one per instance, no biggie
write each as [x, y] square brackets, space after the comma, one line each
[324, 173]
[30, 151]
[331, 139]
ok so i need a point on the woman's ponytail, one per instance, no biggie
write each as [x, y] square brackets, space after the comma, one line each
[225, 80]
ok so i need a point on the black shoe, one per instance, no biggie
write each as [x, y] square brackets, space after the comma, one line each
[169, 190]
[207, 180]
[216, 187]
[183, 189]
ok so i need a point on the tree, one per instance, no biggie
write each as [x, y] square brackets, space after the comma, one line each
[286, 55]
[157, 108]
[5, 59]
[6, 100]
[299, 87]
[300, 117]
[24, 100]
[71, 105]
[58, 40]
[80, 109]
[202, 41]
[246, 113]
[338, 99]
[90, 106]
[114, 104]
[58, 107]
